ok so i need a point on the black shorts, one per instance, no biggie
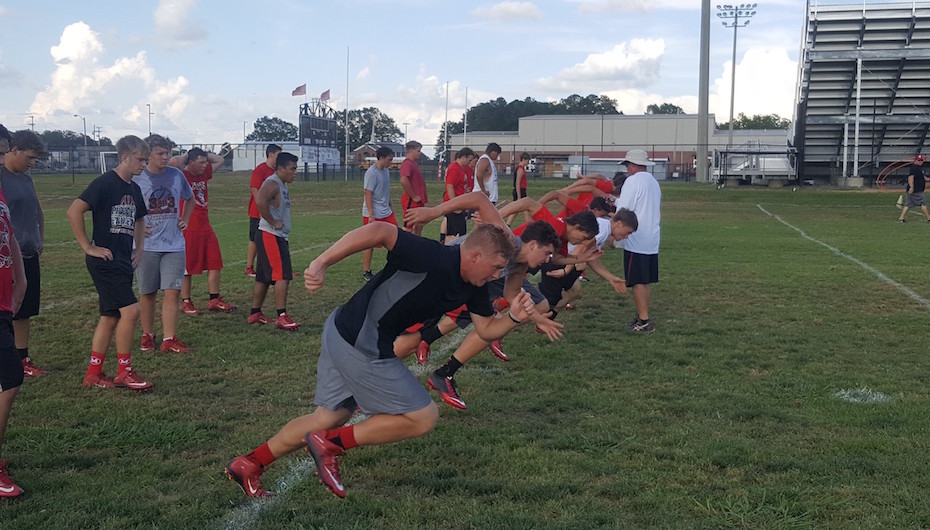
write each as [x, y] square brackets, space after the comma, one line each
[30, 307]
[114, 285]
[274, 258]
[455, 223]
[551, 287]
[253, 228]
[11, 364]
[522, 193]
[640, 269]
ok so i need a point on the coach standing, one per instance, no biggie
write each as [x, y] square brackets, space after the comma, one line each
[642, 195]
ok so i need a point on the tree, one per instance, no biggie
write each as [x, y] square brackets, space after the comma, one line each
[590, 104]
[267, 129]
[454, 128]
[757, 121]
[665, 108]
[360, 128]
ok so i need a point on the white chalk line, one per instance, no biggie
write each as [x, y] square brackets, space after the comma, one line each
[878, 274]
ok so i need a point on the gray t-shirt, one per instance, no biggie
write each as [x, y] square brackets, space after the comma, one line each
[282, 211]
[23, 202]
[378, 182]
[163, 193]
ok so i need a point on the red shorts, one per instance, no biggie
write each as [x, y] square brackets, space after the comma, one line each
[202, 252]
[408, 204]
[389, 219]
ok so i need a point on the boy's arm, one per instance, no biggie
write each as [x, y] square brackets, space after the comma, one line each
[186, 214]
[19, 275]
[41, 230]
[178, 161]
[362, 238]
[138, 236]
[76, 221]
[482, 170]
[215, 160]
[268, 193]
[526, 204]
[370, 204]
[469, 201]
[618, 284]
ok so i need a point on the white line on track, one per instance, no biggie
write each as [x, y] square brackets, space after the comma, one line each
[878, 274]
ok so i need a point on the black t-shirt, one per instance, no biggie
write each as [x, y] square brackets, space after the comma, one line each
[918, 173]
[115, 206]
[421, 280]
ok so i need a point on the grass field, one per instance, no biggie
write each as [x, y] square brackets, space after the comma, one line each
[731, 415]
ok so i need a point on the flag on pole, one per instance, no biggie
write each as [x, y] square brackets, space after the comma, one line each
[324, 96]
[300, 91]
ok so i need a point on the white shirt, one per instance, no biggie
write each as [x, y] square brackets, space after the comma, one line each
[603, 230]
[491, 183]
[641, 194]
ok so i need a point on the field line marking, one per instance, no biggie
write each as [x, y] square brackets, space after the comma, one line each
[878, 274]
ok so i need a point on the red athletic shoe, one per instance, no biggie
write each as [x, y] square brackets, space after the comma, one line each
[218, 304]
[98, 381]
[286, 323]
[249, 271]
[423, 352]
[188, 307]
[8, 488]
[500, 304]
[174, 345]
[246, 472]
[148, 342]
[129, 379]
[447, 390]
[31, 370]
[325, 455]
[259, 318]
[569, 307]
[498, 351]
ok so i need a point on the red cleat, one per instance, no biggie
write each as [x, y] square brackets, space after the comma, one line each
[148, 342]
[246, 472]
[498, 351]
[447, 390]
[423, 352]
[259, 318]
[188, 307]
[174, 345]
[8, 488]
[285, 322]
[325, 455]
[31, 370]
[218, 304]
[99, 381]
[129, 379]
[249, 271]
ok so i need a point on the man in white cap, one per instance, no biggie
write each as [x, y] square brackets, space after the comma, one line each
[642, 195]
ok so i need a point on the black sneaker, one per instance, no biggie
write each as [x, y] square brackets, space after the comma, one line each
[367, 276]
[447, 390]
[902, 220]
[642, 326]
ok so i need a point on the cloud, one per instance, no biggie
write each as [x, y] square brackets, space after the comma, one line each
[82, 83]
[175, 27]
[508, 11]
[765, 84]
[632, 64]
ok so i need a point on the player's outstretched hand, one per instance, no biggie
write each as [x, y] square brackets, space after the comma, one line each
[590, 254]
[551, 328]
[522, 307]
[314, 276]
[421, 216]
[619, 285]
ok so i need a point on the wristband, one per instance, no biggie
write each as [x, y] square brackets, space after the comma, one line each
[513, 318]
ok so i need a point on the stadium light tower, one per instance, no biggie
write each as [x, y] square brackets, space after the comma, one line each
[734, 16]
[148, 106]
[83, 120]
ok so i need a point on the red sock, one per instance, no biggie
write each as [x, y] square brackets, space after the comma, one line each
[343, 436]
[96, 363]
[262, 455]
[124, 362]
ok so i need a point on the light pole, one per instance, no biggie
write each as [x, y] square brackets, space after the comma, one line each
[731, 15]
[405, 132]
[243, 130]
[84, 121]
[149, 107]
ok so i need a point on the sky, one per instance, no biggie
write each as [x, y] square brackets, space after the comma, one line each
[209, 69]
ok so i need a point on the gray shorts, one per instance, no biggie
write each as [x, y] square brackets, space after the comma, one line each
[496, 290]
[160, 270]
[915, 199]
[378, 386]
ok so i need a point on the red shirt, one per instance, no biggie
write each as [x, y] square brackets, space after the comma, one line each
[455, 176]
[6, 257]
[200, 219]
[522, 183]
[411, 170]
[555, 222]
[469, 178]
[259, 174]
